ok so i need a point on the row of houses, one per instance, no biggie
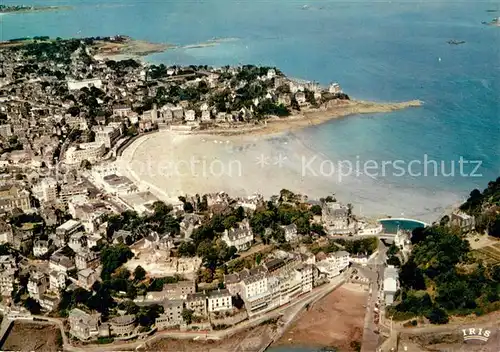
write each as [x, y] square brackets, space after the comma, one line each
[87, 326]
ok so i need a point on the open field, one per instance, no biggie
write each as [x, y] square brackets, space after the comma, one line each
[32, 337]
[336, 320]
[489, 254]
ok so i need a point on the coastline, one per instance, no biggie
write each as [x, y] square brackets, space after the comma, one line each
[312, 117]
[151, 161]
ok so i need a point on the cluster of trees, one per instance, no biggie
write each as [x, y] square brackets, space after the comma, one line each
[285, 210]
[98, 299]
[206, 241]
[268, 107]
[392, 256]
[157, 284]
[146, 315]
[161, 221]
[484, 207]
[440, 278]
[251, 73]
[112, 257]
[330, 247]
[58, 51]
[122, 66]
[363, 246]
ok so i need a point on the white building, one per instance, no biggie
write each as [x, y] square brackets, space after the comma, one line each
[335, 218]
[361, 259]
[370, 230]
[57, 280]
[84, 151]
[38, 284]
[69, 227]
[271, 73]
[390, 284]
[77, 85]
[334, 264]
[255, 292]
[8, 269]
[402, 239]
[40, 248]
[241, 238]
[205, 115]
[190, 115]
[464, 221]
[121, 110]
[306, 276]
[291, 234]
[219, 300]
[49, 189]
[334, 88]
[82, 325]
[106, 135]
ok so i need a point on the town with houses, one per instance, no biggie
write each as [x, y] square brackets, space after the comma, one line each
[82, 243]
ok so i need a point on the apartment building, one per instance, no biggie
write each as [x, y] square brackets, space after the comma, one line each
[172, 314]
[8, 268]
[83, 326]
[197, 302]
[12, 197]
[38, 284]
[218, 301]
[106, 135]
[255, 292]
[123, 325]
[241, 237]
[91, 152]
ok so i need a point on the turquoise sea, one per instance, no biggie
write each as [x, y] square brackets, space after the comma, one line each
[377, 50]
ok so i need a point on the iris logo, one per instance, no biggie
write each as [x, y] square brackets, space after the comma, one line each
[478, 334]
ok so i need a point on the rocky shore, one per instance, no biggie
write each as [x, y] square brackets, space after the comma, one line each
[126, 47]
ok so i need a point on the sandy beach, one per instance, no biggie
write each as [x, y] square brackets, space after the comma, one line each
[265, 160]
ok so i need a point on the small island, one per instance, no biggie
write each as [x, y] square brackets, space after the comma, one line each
[26, 8]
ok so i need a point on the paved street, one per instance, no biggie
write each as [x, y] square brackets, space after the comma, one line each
[375, 272]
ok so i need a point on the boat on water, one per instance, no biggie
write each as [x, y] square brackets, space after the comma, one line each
[456, 42]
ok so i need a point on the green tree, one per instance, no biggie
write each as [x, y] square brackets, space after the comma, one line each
[394, 260]
[139, 273]
[230, 222]
[131, 291]
[187, 249]
[316, 209]
[437, 316]
[112, 257]
[187, 316]
[32, 305]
